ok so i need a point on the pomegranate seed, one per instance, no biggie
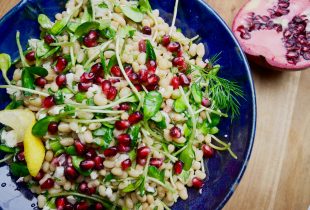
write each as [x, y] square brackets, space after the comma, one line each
[124, 106]
[97, 69]
[114, 80]
[143, 152]
[135, 117]
[98, 162]
[110, 152]
[53, 128]
[184, 81]
[112, 93]
[138, 87]
[151, 87]
[178, 167]
[197, 183]
[207, 151]
[126, 164]
[142, 45]
[81, 206]
[39, 176]
[165, 40]
[151, 66]
[61, 64]
[48, 102]
[98, 206]
[143, 75]
[61, 80]
[49, 39]
[175, 132]
[173, 47]
[175, 82]
[153, 79]
[87, 165]
[116, 71]
[60, 203]
[20, 156]
[70, 173]
[68, 206]
[90, 153]
[30, 56]
[141, 161]
[123, 148]
[83, 188]
[157, 162]
[122, 124]
[178, 61]
[80, 148]
[99, 80]
[87, 77]
[134, 78]
[180, 53]
[124, 139]
[206, 102]
[83, 87]
[48, 184]
[105, 86]
[90, 39]
[147, 30]
[128, 70]
[40, 82]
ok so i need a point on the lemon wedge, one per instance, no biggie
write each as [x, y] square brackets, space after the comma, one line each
[22, 121]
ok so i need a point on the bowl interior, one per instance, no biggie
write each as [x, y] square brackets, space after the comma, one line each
[194, 17]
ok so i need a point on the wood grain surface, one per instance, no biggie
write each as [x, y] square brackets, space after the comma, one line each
[278, 174]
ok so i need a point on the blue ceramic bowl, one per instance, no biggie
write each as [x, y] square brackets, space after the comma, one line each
[194, 17]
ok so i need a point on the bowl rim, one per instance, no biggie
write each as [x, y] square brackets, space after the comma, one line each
[203, 3]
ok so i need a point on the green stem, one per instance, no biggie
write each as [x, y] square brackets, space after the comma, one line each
[20, 50]
[149, 13]
[101, 111]
[101, 48]
[25, 89]
[175, 11]
[7, 157]
[56, 44]
[225, 145]
[161, 184]
[91, 121]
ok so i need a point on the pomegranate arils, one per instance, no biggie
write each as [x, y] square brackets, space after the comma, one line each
[151, 66]
[90, 39]
[175, 132]
[40, 82]
[147, 30]
[53, 128]
[112, 93]
[90, 153]
[80, 148]
[141, 161]
[87, 77]
[134, 78]
[97, 69]
[98, 206]
[126, 164]
[98, 163]
[184, 80]
[178, 61]
[39, 176]
[142, 45]
[48, 102]
[153, 79]
[124, 139]
[135, 118]
[70, 173]
[165, 40]
[83, 87]
[105, 86]
[30, 56]
[143, 75]
[20, 156]
[61, 64]
[175, 82]
[173, 47]
[122, 124]
[48, 39]
[143, 152]
[206, 102]
[81, 206]
[178, 167]
[61, 80]
[157, 162]
[207, 151]
[197, 183]
[83, 188]
[116, 71]
[48, 184]
[124, 106]
[110, 152]
[87, 165]
[60, 203]
[128, 70]
[123, 148]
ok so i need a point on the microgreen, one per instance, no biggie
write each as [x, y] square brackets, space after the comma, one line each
[5, 64]
[44, 21]
[132, 13]
[150, 53]
[152, 104]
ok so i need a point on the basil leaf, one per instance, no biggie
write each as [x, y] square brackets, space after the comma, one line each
[44, 21]
[76, 164]
[86, 27]
[40, 71]
[60, 25]
[150, 53]
[19, 169]
[196, 93]
[40, 128]
[179, 105]
[156, 173]
[108, 33]
[7, 149]
[187, 156]
[133, 13]
[152, 104]
[27, 81]
[145, 6]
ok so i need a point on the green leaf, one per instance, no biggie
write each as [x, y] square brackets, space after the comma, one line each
[156, 173]
[133, 186]
[72, 26]
[76, 164]
[145, 6]
[40, 71]
[133, 13]
[108, 33]
[132, 155]
[51, 52]
[7, 149]
[184, 176]
[127, 31]
[150, 53]
[86, 27]
[27, 81]
[106, 135]
[55, 145]
[41, 49]
[112, 62]
[152, 104]
[5, 62]
[103, 5]
[70, 150]
[40, 128]
[187, 156]
[90, 102]
[109, 177]
[134, 131]
[59, 97]
[179, 105]
[104, 65]
[196, 93]
[60, 25]
[44, 21]
[19, 169]
[187, 131]
[14, 104]
[80, 97]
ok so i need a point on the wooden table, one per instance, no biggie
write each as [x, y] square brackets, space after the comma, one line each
[278, 174]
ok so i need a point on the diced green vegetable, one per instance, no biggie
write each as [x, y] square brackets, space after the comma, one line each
[40, 128]
[27, 81]
[80, 97]
[70, 150]
[55, 145]
[103, 5]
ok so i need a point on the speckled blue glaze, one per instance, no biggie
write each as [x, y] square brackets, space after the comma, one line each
[194, 17]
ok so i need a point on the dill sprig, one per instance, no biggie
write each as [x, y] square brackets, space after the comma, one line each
[224, 93]
[214, 59]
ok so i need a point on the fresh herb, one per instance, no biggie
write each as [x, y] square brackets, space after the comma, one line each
[152, 104]
[60, 25]
[51, 52]
[133, 186]
[104, 65]
[145, 6]
[76, 164]
[150, 53]
[103, 5]
[159, 120]
[184, 176]
[112, 62]
[179, 105]
[156, 173]
[108, 33]
[106, 135]
[27, 81]
[70, 150]
[14, 104]
[187, 156]
[59, 97]
[44, 21]
[20, 50]
[55, 145]
[127, 31]
[5, 64]
[7, 149]
[84, 28]
[196, 93]
[41, 49]
[80, 97]
[134, 131]
[19, 169]
[109, 177]
[132, 13]
[40, 71]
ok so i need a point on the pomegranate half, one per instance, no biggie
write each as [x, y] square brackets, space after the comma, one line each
[275, 33]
